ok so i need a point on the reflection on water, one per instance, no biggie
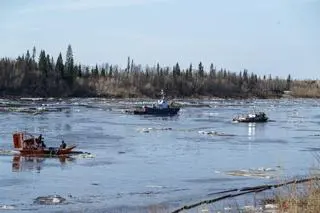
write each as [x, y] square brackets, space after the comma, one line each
[27, 163]
[251, 130]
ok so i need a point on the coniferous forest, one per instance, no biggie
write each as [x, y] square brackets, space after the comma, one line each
[36, 74]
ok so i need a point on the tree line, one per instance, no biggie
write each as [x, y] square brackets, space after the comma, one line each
[29, 75]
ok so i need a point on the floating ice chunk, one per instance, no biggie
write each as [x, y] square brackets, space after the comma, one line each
[267, 173]
[249, 208]
[214, 133]
[208, 132]
[227, 208]
[154, 186]
[8, 152]
[7, 207]
[86, 155]
[148, 129]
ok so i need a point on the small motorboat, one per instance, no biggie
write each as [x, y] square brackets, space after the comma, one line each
[162, 107]
[251, 118]
[28, 145]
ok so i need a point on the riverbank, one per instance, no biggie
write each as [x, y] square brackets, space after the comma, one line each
[298, 90]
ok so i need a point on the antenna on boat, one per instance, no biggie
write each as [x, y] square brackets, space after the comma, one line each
[162, 93]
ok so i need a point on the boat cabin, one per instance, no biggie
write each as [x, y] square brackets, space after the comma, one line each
[163, 104]
[26, 141]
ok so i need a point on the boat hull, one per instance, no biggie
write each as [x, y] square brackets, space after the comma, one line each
[250, 120]
[157, 111]
[52, 151]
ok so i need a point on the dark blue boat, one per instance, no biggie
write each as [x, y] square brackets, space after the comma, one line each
[156, 111]
[160, 108]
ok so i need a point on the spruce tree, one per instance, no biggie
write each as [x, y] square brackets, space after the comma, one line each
[59, 66]
[103, 72]
[288, 86]
[79, 71]
[43, 63]
[200, 70]
[96, 71]
[34, 53]
[110, 71]
[69, 62]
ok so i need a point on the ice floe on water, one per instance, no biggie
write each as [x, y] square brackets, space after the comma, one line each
[8, 152]
[7, 207]
[84, 155]
[262, 172]
[155, 186]
[214, 133]
[148, 129]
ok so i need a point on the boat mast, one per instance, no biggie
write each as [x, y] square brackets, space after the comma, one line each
[162, 94]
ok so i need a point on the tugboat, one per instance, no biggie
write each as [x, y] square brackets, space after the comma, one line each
[259, 117]
[160, 108]
[28, 145]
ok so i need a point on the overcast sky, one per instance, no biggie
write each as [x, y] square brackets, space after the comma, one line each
[277, 37]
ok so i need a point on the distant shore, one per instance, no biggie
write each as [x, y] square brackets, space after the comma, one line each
[45, 77]
[142, 97]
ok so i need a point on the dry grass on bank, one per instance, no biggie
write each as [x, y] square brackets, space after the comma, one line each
[306, 89]
[299, 198]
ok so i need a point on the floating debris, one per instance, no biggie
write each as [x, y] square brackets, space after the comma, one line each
[49, 200]
[95, 184]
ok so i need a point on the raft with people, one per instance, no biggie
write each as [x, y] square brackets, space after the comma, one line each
[27, 144]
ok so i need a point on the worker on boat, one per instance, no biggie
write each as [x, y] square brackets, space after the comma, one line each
[43, 145]
[40, 138]
[63, 145]
[40, 142]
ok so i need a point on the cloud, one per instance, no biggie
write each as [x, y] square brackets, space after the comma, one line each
[81, 5]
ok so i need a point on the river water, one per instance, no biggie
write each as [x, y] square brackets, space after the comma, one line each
[153, 164]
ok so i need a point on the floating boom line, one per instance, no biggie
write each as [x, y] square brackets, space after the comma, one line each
[244, 190]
